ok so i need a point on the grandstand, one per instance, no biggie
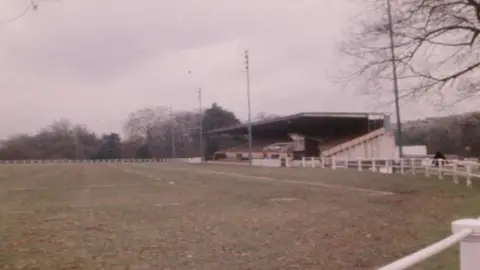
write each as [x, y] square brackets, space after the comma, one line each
[319, 134]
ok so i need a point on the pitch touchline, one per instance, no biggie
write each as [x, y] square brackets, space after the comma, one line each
[271, 179]
[147, 175]
[73, 188]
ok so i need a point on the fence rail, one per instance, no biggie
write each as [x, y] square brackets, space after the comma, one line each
[93, 161]
[464, 231]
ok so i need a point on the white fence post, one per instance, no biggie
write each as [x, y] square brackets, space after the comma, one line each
[412, 165]
[373, 165]
[427, 166]
[359, 165]
[303, 162]
[440, 168]
[455, 172]
[312, 160]
[334, 164]
[469, 246]
[402, 166]
[322, 162]
[469, 175]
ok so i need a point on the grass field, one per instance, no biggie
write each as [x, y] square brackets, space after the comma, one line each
[164, 216]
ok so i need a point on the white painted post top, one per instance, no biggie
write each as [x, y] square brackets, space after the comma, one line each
[462, 224]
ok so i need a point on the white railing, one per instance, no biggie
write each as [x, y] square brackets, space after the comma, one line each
[464, 231]
[456, 169]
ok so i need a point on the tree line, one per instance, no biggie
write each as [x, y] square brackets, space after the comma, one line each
[455, 134]
[149, 133]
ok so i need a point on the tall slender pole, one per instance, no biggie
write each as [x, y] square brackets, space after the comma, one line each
[247, 69]
[201, 123]
[173, 133]
[395, 80]
[200, 126]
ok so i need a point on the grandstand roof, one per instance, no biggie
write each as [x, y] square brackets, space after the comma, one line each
[301, 122]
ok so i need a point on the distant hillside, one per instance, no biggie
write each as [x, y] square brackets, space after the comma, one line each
[454, 134]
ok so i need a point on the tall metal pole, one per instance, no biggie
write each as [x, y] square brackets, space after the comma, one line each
[201, 123]
[200, 126]
[173, 133]
[247, 69]
[395, 80]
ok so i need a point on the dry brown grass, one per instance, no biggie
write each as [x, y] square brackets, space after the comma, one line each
[188, 217]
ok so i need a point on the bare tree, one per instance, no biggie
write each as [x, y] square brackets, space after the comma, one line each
[60, 140]
[156, 126]
[145, 122]
[17, 147]
[187, 128]
[149, 125]
[436, 43]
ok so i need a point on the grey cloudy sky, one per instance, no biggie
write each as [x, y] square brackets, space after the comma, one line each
[95, 61]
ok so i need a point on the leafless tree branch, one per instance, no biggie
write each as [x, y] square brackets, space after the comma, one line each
[436, 42]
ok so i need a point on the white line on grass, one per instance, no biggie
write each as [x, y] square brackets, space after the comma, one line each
[147, 175]
[290, 181]
[17, 212]
[75, 187]
[371, 191]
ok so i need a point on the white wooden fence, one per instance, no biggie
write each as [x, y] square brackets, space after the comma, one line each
[456, 169]
[93, 161]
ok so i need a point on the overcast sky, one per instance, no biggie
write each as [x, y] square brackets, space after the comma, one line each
[95, 61]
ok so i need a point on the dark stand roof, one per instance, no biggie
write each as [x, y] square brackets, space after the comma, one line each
[317, 123]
